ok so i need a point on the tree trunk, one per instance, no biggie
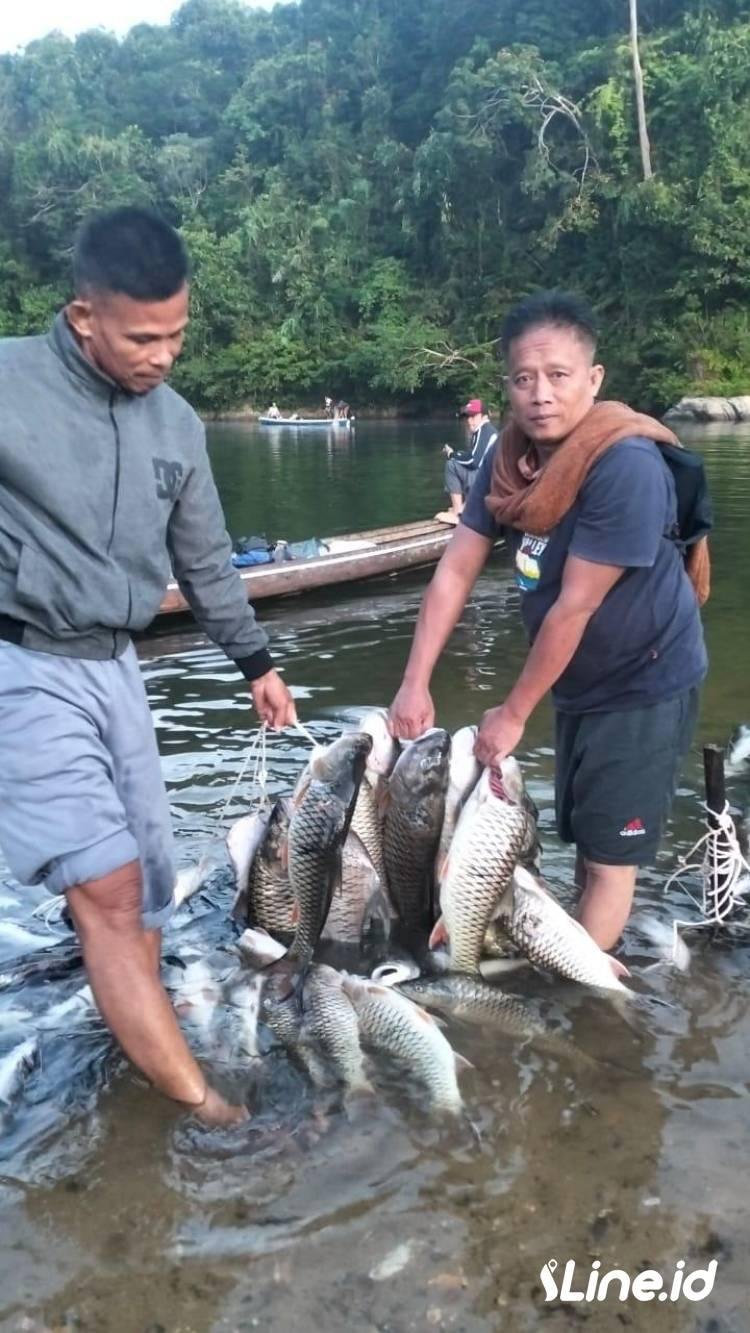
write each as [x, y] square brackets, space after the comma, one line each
[639, 98]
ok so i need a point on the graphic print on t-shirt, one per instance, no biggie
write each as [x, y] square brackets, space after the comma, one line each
[529, 561]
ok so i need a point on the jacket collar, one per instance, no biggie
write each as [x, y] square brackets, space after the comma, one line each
[65, 345]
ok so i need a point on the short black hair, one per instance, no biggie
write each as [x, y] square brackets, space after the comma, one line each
[563, 310]
[132, 251]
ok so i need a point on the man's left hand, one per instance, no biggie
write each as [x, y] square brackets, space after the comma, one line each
[273, 702]
[499, 733]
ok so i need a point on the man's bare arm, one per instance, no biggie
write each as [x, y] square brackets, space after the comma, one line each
[412, 711]
[584, 587]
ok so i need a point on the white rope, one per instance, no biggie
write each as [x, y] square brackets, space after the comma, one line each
[725, 876]
[256, 750]
[307, 734]
[257, 754]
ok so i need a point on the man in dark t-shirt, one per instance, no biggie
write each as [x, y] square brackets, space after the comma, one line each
[611, 616]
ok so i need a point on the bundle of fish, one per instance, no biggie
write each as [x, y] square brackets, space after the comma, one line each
[416, 837]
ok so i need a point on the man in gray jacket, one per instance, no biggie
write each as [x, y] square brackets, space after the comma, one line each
[105, 483]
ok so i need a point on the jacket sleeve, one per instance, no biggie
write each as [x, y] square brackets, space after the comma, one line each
[200, 550]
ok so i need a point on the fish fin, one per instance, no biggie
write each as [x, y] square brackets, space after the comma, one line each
[461, 1062]
[382, 799]
[618, 968]
[432, 1019]
[438, 934]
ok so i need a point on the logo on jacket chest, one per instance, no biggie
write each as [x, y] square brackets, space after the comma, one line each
[168, 478]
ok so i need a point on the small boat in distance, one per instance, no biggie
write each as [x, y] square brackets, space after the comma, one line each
[358, 555]
[323, 423]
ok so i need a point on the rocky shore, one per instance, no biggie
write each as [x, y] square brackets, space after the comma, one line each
[710, 409]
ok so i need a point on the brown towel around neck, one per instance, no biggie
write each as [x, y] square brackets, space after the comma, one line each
[533, 498]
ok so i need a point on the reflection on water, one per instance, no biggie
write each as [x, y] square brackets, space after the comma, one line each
[623, 1143]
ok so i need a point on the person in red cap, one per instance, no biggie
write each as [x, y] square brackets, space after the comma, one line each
[461, 467]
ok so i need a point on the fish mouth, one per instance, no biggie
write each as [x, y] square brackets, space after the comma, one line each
[497, 787]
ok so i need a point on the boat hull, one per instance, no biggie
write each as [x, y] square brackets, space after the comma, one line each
[407, 546]
[306, 423]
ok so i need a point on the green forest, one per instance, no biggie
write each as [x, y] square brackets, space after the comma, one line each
[365, 186]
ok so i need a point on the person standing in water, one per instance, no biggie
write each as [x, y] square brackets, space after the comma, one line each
[588, 504]
[104, 484]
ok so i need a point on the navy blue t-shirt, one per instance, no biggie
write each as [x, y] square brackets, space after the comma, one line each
[645, 642]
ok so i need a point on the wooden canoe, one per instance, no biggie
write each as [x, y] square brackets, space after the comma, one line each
[377, 551]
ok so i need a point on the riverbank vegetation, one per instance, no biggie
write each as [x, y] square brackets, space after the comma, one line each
[365, 185]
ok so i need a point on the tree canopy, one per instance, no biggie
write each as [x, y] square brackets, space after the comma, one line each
[365, 186]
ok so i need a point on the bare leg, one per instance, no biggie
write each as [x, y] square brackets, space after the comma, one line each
[122, 963]
[606, 900]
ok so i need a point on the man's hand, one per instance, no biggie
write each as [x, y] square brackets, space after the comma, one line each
[273, 702]
[216, 1111]
[448, 451]
[411, 712]
[499, 733]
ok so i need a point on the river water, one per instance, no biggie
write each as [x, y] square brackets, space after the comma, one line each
[624, 1142]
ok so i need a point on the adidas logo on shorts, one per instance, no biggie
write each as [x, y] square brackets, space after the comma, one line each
[633, 829]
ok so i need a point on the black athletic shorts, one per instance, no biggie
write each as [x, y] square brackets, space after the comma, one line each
[615, 777]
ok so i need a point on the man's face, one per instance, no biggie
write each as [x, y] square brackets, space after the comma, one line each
[474, 421]
[135, 343]
[552, 382]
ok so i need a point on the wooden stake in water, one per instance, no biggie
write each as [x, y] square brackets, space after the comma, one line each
[718, 850]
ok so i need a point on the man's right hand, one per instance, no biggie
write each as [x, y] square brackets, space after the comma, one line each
[218, 1112]
[448, 451]
[411, 712]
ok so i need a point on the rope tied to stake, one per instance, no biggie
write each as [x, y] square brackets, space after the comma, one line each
[725, 876]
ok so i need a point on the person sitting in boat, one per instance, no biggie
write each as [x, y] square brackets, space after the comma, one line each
[343, 411]
[461, 467]
[273, 412]
[329, 406]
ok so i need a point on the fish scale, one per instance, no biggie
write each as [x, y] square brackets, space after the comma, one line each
[414, 818]
[486, 846]
[316, 836]
[470, 998]
[331, 1022]
[271, 899]
[368, 826]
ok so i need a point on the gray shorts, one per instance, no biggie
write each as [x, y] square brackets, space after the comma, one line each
[458, 478]
[81, 790]
[615, 777]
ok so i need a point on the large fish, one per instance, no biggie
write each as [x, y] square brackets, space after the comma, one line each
[317, 1023]
[475, 1001]
[369, 812]
[551, 939]
[384, 752]
[486, 845]
[317, 833]
[368, 824]
[392, 1025]
[361, 899]
[464, 771]
[414, 818]
[258, 850]
[330, 1025]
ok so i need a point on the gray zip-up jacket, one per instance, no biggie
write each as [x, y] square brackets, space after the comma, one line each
[100, 490]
